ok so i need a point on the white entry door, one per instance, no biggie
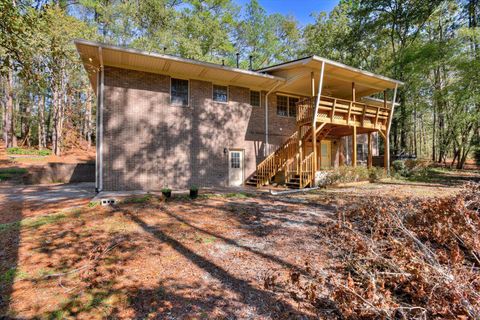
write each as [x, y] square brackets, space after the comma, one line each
[235, 167]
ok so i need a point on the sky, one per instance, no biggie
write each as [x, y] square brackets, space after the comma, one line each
[300, 9]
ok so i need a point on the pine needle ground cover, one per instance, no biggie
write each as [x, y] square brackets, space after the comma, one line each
[376, 251]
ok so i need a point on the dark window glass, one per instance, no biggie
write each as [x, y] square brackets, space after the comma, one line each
[282, 106]
[220, 93]
[179, 93]
[292, 106]
[255, 98]
[235, 160]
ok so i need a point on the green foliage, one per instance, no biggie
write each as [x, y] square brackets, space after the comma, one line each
[193, 188]
[8, 173]
[23, 151]
[400, 168]
[142, 199]
[477, 155]
[166, 190]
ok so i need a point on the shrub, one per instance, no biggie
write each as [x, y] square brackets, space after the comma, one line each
[346, 174]
[375, 174]
[400, 168]
[476, 155]
[193, 188]
[166, 190]
[34, 152]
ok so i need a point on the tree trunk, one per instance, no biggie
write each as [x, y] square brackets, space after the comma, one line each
[9, 121]
[88, 119]
[42, 135]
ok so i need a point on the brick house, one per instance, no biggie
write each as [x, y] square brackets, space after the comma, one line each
[165, 121]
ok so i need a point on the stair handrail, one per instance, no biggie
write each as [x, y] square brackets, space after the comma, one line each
[307, 171]
[277, 159]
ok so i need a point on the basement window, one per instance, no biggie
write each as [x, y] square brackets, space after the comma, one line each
[179, 92]
[220, 93]
[255, 98]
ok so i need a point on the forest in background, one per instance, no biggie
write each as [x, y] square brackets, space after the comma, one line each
[433, 46]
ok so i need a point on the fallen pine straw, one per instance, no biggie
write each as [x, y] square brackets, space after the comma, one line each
[401, 259]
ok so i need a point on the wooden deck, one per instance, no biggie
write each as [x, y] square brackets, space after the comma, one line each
[342, 112]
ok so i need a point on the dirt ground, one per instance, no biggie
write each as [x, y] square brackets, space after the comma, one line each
[26, 161]
[208, 258]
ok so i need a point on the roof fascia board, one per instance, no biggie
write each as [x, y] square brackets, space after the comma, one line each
[353, 69]
[176, 59]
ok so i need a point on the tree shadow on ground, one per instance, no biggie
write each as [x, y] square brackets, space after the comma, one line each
[264, 302]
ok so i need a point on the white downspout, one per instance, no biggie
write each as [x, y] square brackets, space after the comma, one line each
[100, 127]
[267, 147]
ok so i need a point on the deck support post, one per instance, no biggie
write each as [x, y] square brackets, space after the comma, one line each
[315, 112]
[387, 132]
[369, 160]
[354, 146]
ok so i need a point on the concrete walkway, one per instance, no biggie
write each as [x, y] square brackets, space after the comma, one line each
[47, 193]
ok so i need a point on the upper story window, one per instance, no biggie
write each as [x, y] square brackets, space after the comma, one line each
[287, 106]
[292, 106]
[220, 93]
[179, 92]
[255, 98]
[282, 106]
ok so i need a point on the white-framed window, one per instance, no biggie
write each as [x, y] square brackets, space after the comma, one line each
[287, 105]
[292, 106]
[255, 98]
[282, 106]
[179, 92]
[220, 93]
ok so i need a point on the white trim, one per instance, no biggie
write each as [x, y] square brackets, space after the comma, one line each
[288, 104]
[330, 62]
[188, 94]
[319, 94]
[228, 93]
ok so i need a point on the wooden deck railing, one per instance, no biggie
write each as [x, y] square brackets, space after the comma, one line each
[343, 112]
[307, 172]
[277, 160]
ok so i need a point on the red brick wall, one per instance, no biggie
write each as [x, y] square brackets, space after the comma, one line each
[149, 144]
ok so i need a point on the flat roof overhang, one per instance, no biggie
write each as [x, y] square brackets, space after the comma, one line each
[337, 80]
[94, 54]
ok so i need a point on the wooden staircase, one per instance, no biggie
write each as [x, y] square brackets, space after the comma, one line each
[285, 157]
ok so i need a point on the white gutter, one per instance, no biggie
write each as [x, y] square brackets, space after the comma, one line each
[266, 149]
[100, 127]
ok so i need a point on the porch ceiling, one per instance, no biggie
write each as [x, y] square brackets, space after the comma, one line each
[337, 80]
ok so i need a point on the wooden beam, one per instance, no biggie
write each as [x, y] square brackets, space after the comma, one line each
[320, 127]
[369, 161]
[353, 92]
[386, 153]
[314, 124]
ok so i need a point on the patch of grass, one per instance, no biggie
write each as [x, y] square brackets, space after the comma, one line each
[238, 195]
[13, 274]
[5, 176]
[205, 239]
[93, 204]
[141, 199]
[13, 170]
[34, 223]
[8, 173]
[24, 151]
